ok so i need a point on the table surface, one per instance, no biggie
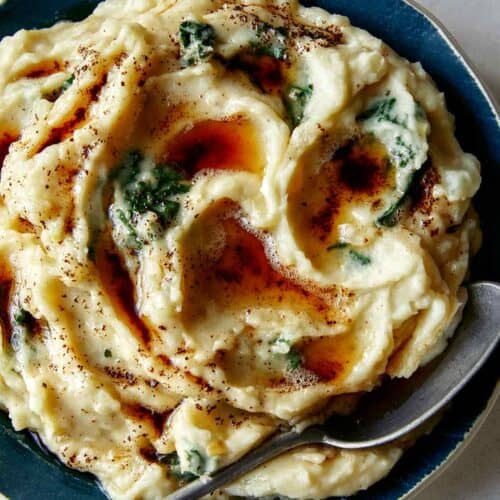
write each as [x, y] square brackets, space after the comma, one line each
[475, 474]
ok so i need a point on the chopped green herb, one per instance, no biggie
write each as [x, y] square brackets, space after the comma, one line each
[108, 353]
[25, 324]
[173, 462]
[270, 41]
[197, 42]
[296, 99]
[390, 217]
[364, 260]
[280, 346]
[23, 318]
[53, 95]
[150, 194]
[129, 168]
[133, 239]
[67, 84]
[337, 246]
[197, 462]
[294, 358]
[403, 153]
[382, 110]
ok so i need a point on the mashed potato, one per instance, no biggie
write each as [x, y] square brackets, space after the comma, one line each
[219, 220]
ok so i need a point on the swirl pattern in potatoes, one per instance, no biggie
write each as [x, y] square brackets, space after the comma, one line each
[217, 221]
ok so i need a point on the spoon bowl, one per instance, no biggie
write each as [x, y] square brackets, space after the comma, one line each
[395, 409]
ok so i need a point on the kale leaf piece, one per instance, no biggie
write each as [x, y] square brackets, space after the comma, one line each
[147, 193]
[294, 359]
[357, 257]
[296, 99]
[270, 41]
[197, 42]
[197, 465]
[403, 153]
[24, 318]
[382, 110]
[174, 466]
[24, 326]
[390, 217]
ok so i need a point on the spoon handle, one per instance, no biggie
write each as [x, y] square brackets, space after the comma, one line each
[263, 453]
[475, 339]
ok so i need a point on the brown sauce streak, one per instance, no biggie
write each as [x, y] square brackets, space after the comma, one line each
[361, 170]
[142, 414]
[244, 265]
[321, 223]
[267, 72]
[46, 68]
[164, 360]
[149, 454]
[6, 140]
[421, 190]
[23, 225]
[241, 276]
[203, 384]
[95, 90]
[354, 173]
[217, 145]
[357, 172]
[119, 287]
[329, 358]
[63, 132]
[59, 134]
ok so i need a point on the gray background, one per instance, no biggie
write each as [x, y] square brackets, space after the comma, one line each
[475, 474]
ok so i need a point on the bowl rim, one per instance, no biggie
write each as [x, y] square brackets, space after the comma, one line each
[473, 71]
[469, 65]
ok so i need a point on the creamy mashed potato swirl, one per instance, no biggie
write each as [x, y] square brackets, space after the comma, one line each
[219, 220]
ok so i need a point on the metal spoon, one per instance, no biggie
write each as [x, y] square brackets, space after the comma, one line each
[397, 408]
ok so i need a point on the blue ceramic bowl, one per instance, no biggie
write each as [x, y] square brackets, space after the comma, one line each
[26, 471]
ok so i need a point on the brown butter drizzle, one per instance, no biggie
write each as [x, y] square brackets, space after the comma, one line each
[5, 298]
[6, 139]
[120, 289]
[229, 144]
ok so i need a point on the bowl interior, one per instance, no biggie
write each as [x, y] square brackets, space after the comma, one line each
[28, 471]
